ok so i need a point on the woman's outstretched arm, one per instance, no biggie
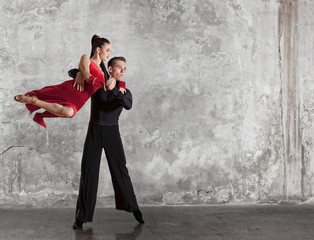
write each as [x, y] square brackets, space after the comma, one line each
[84, 73]
[84, 67]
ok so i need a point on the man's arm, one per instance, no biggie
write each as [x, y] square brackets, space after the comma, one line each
[125, 99]
[73, 72]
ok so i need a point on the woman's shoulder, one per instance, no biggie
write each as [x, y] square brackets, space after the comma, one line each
[85, 57]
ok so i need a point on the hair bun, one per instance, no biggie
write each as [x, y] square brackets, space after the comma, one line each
[94, 38]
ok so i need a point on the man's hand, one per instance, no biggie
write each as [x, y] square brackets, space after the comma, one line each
[122, 90]
[111, 83]
[79, 82]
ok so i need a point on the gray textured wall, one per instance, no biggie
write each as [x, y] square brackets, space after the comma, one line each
[223, 99]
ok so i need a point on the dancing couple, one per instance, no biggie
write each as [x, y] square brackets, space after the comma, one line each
[109, 96]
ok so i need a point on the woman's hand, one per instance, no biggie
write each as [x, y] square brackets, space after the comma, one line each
[122, 90]
[79, 82]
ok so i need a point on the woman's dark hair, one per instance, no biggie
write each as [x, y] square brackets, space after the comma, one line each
[98, 42]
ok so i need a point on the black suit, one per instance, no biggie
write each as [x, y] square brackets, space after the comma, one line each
[103, 133]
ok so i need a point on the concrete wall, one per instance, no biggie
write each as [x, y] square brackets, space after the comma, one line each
[223, 99]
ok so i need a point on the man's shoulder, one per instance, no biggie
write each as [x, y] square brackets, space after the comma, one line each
[100, 93]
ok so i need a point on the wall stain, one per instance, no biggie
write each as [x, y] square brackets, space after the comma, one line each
[17, 176]
[289, 94]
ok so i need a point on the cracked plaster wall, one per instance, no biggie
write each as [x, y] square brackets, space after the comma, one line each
[223, 99]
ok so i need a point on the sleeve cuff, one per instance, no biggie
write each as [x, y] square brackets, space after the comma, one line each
[92, 79]
[122, 84]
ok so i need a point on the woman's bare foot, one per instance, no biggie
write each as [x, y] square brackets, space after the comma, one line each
[25, 99]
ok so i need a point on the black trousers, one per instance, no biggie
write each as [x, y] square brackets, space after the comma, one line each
[108, 138]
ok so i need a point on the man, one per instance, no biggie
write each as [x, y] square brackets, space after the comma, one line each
[103, 133]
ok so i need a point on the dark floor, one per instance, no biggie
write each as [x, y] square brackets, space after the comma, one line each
[211, 222]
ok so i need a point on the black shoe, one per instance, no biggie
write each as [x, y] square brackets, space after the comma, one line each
[78, 224]
[138, 216]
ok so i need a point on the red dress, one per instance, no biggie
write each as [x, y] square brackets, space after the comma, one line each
[67, 95]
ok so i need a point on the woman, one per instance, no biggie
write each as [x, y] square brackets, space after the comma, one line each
[64, 100]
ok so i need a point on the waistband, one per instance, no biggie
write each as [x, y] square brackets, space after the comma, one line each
[103, 123]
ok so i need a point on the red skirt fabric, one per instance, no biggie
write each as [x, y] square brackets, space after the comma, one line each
[66, 95]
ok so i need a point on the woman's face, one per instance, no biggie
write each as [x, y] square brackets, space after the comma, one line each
[105, 51]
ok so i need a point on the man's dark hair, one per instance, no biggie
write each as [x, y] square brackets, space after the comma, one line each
[113, 60]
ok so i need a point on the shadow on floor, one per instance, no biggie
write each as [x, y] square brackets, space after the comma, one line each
[88, 234]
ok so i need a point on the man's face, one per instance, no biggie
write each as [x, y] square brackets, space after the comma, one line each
[118, 70]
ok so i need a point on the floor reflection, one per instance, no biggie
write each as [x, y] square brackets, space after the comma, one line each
[88, 234]
[131, 235]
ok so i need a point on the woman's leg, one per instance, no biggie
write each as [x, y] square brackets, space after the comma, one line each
[55, 108]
